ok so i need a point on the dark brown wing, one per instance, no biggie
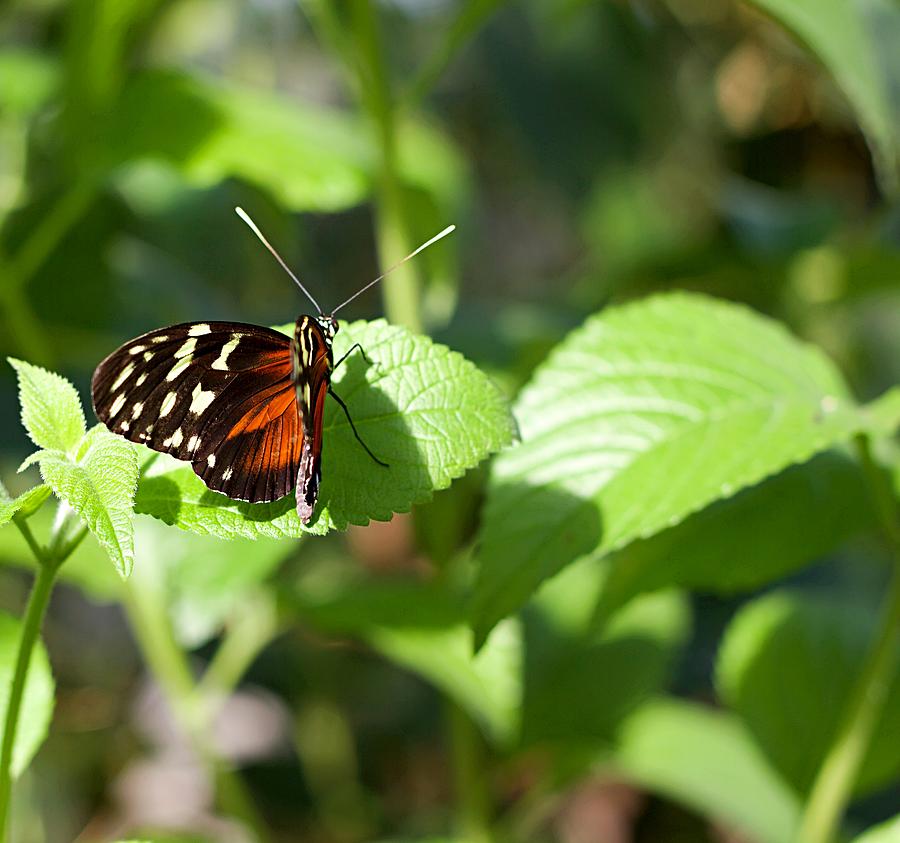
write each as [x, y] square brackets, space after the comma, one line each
[218, 394]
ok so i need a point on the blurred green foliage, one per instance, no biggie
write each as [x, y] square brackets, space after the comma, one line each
[590, 153]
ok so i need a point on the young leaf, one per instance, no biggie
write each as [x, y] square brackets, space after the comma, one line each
[643, 416]
[425, 410]
[844, 37]
[99, 485]
[37, 702]
[788, 666]
[26, 503]
[51, 409]
[706, 760]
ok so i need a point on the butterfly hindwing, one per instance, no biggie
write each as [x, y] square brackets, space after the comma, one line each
[217, 394]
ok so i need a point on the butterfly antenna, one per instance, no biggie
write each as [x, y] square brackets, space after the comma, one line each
[245, 217]
[444, 233]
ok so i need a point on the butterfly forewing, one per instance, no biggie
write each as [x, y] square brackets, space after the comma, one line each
[218, 394]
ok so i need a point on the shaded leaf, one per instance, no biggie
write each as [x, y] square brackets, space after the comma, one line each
[760, 535]
[425, 410]
[842, 35]
[37, 700]
[646, 414]
[51, 409]
[888, 832]
[705, 760]
[788, 666]
[315, 158]
[422, 627]
[99, 485]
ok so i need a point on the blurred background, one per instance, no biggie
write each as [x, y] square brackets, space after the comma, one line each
[589, 151]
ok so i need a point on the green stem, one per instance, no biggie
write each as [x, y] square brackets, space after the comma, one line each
[31, 628]
[833, 787]
[400, 291]
[472, 797]
[149, 620]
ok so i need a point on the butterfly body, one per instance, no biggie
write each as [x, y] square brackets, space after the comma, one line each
[243, 404]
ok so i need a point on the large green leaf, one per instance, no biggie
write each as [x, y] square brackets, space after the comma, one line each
[51, 409]
[707, 761]
[760, 535]
[98, 482]
[844, 36]
[788, 666]
[425, 410]
[37, 701]
[643, 416]
[308, 157]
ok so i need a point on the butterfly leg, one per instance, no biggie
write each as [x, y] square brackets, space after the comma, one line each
[368, 450]
[353, 348]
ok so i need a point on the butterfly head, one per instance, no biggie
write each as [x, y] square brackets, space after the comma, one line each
[329, 326]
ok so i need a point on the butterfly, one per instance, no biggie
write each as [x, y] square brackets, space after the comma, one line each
[242, 403]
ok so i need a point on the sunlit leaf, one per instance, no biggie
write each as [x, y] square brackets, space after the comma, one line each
[37, 701]
[643, 416]
[26, 503]
[51, 409]
[788, 666]
[425, 410]
[99, 484]
[888, 832]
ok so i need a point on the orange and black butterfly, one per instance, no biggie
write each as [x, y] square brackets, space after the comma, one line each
[243, 404]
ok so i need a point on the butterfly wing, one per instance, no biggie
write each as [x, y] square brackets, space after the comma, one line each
[218, 394]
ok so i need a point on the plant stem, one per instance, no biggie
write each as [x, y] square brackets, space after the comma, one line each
[400, 290]
[148, 618]
[472, 798]
[833, 787]
[31, 627]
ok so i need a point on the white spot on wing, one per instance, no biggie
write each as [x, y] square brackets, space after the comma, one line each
[161, 338]
[137, 410]
[174, 440]
[193, 443]
[137, 349]
[148, 356]
[200, 400]
[141, 379]
[124, 426]
[116, 406]
[211, 460]
[226, 475]
[179, 367]
[167, 404]
[186, 349]
[123, 376]
[221, 362]
[199, 330]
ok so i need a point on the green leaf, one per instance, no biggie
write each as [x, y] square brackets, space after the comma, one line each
[579, 685]
[315, 159]
[705, 760]
[99, 485]
[37, 701]
[27, 80]
[425, 410]
[26, 503]
[788, 666]
[844, 36]
[51, 409]
[888, 832]
[760, 535]
[646, 414]
[421, 627]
